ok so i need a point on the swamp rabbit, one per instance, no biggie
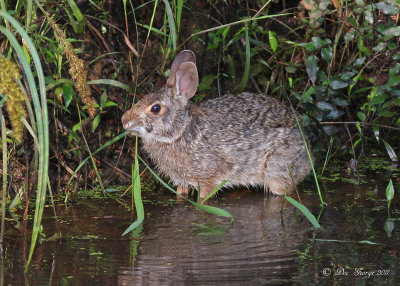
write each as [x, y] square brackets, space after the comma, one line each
[248, 139]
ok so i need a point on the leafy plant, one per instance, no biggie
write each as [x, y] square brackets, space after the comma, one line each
[104, 102]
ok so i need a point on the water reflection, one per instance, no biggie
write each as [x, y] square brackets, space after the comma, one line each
[187, 247]
[179, 245]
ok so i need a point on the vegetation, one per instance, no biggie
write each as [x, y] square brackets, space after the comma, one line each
[78, 67]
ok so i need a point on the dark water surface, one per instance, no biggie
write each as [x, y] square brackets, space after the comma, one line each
[179, 245]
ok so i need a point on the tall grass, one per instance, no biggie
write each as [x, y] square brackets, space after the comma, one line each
[40, 109]
[5, 174]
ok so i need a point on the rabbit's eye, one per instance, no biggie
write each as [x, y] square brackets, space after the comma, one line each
[156, 108]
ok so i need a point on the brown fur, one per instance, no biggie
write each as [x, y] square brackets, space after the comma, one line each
[247, 139]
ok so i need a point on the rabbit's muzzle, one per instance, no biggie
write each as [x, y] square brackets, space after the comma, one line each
[129, 122]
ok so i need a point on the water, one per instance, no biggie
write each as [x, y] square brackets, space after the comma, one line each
[179, 245]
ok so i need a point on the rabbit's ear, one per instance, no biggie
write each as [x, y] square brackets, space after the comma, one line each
[183, 57]
[187, 79]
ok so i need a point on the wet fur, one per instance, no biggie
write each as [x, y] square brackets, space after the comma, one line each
[248, 139]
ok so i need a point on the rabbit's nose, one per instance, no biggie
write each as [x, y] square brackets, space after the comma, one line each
[126, 119]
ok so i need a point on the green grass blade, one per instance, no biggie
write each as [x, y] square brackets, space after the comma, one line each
[308, 152]
[311, 218]
[171, 23]
[111, 82]
[29, 5]
[40, 106]
[214, 210]
[152, 19]
[214, 191]
[238, 22]
[152, 29]
[179, 14]
[245, 78]
[5, 175]
[78, 16]
[137, 193]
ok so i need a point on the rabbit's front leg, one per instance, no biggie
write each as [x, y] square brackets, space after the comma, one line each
[206, 188]
[182, 190]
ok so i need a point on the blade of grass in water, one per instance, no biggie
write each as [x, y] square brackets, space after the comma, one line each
[40, 107]
[214, 191]
[308, 152]
[305, 211]
[137, 193]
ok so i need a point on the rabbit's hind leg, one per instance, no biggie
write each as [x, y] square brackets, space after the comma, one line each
[277, 178]
[278, 185]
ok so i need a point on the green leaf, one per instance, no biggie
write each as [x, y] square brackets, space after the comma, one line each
[330, 130]
[312, 67]
[361, 116]
[110, 103]
[340, 102]
[206, 82]
[320, 42]
[395, 70]
[103, 99]
[389, 191]
[273, 42]
[359, 61]
[350, 35]
[334, 114]
[96, 122]
[386, 113]
[358, 125]
[390, 151]
[375, 129]
[393, 81]
[387, 8]
[325, 106]
[68, 92]
[378, 99]
[311, 218]
[389, 227]
[337, 84]
[347, 75]
[311, 47]
[326, 54]
[306, 96]
[392, 32]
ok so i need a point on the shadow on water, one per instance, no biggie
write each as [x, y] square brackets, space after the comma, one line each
[179, 245]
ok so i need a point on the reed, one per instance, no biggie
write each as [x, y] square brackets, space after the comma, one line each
[39, 100]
